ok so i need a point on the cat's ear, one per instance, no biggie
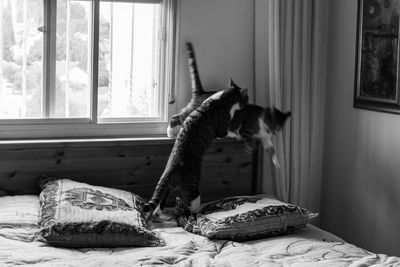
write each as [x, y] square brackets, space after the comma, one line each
[282, 115]
[277, 111]
[232, 84]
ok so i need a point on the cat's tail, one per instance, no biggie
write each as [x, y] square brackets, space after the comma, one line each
[197, 87]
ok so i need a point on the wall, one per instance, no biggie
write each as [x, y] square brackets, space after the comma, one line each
[222, 32]
[361, 183]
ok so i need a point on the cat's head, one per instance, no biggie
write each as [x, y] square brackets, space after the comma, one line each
[244, 97]
[275, 119]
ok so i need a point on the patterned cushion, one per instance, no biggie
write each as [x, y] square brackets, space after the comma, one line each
[75, 214]
[245, 218]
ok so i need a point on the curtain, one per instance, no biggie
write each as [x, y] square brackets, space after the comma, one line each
[290, 74]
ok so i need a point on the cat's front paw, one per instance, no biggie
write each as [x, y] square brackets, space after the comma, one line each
[148, 217]
[172, 132]
[154, 216]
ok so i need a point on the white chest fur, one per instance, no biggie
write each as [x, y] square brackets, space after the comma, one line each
[233, 109]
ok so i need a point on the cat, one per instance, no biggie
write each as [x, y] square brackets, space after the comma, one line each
[254, 122]
[210, 120]
[198, 94]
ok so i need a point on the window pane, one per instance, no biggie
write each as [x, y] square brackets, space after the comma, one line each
[128, 60]
[21, 59]
[72, 94]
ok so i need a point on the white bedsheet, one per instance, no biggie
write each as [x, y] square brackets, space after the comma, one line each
[310, 246]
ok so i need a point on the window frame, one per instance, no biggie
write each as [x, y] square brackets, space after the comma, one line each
[50, 128]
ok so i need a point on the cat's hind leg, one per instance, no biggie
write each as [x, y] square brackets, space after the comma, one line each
[191, 193]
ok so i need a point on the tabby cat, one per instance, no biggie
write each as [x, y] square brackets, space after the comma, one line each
[210, 120]
[198, 94]
[255, 122]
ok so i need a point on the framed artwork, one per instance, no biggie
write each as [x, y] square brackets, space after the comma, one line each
[377, 56]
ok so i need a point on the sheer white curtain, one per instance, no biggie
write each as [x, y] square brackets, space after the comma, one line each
[290, 74]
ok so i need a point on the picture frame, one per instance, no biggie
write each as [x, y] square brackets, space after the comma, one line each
[377, 56]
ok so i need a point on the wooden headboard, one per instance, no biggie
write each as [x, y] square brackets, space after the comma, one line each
[129, 164]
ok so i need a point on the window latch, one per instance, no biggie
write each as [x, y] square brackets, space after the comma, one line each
[42, 28]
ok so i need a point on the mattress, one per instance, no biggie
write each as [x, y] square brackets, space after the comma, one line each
[310, 246]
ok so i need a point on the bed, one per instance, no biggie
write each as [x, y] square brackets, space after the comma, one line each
[309, 246]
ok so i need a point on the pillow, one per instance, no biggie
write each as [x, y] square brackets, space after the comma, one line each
[244, 218]
[76, 215]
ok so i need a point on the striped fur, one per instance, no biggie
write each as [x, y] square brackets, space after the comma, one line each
[255, 122]
[204, 124]
[198, 94]
[197, 87]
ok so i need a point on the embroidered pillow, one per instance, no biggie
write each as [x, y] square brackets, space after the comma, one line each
[244, 218]
[75, 214]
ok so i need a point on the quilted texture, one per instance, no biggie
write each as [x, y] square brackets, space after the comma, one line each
[75, 214]
[307, 247]
[19, 210]
[244, 218]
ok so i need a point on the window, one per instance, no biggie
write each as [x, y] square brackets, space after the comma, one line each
[85, 67]
[21, 58]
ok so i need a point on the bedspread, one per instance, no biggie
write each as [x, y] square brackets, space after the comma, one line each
[310, 246]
